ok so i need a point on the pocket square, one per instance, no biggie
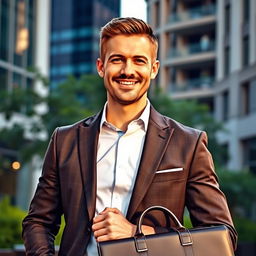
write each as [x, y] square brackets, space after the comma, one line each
[170, 170]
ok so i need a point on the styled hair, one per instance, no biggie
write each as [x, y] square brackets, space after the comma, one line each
[126, 26]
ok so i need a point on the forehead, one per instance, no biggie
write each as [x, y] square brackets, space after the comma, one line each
[129, 45]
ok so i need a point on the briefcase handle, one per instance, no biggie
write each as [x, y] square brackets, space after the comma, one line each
[184, 234]
[179, 226]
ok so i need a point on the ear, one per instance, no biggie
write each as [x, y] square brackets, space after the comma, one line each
[100, 67]
[155, 68]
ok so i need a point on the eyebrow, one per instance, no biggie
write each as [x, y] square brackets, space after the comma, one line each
[134, 57]
[115, 55]
[141, 57]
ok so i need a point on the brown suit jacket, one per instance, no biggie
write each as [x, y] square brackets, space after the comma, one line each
[68, 184]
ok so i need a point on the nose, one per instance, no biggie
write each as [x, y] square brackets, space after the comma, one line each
[127, 68]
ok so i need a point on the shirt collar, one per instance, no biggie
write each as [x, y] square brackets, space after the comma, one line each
[144, 117]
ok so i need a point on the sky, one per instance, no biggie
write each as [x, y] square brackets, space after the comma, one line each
[134, 8]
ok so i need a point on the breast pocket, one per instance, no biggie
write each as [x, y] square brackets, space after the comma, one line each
[169, 174]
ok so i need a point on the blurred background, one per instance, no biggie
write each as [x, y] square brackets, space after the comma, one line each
[207, 79]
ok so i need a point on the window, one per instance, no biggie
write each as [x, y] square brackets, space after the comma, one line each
[157, 14]
[227, 39]
[3, 79]
[4, 21]
[246, 33]
[246, 11]
[227, 19]
[16, 80]
[21, 33]
[246, 50]
[250, 154]
[245, 99]
[227, 60]
[225, 99]
[252, 107]
[31, 29]
[248, 102]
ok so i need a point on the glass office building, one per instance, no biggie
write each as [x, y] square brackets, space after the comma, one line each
[24, 30]
[75, 29]
[17, 32]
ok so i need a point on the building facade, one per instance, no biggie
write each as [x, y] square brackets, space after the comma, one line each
[235, 87]
[208, 53]
[75, 27]
[24, 44]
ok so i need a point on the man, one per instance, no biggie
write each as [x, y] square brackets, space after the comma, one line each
[102, 172]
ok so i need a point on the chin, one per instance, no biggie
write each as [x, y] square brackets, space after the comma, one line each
[129, 101]
[126, 102]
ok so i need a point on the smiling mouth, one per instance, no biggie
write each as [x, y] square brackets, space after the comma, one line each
[126, 82]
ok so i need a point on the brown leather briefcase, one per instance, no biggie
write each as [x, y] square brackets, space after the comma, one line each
[206, 241]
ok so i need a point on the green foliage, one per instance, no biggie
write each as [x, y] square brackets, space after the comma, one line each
[187, 222]
[190, 113]
[187, 112]
[59, 235]
[12, 138]
[74, 100]
[239, 188]
[246, 229]
[19, 100]
[10, 224]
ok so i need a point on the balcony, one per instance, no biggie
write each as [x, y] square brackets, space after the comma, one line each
[195, 18]
[191, 49]
[202, 83]
[191, 54]
[193, 13]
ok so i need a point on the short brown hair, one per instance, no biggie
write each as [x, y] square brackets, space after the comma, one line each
[126, 26]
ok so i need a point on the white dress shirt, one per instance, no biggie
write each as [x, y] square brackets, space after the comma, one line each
[118, 159]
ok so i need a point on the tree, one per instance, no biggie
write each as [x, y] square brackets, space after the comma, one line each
[73, 100]
[191, 113]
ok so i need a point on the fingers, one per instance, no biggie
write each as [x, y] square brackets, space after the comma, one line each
[105, 214]
[103, 225]
[111, 224]
[103, 220]
[108, 209]
[98, 218]
[104, 234]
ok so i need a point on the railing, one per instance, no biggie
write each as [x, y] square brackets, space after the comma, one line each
[193, 84]
[193, 13]
[191, 49]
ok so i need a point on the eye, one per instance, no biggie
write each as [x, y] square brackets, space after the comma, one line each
[140, 61]
[116, 60]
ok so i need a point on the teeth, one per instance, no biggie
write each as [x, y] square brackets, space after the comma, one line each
[126, 82]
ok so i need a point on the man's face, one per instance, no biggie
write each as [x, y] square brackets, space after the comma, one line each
[127, 68]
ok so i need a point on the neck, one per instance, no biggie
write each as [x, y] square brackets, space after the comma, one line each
[121, 115]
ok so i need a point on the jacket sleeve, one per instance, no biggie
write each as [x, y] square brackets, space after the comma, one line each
[43, 220]
[205, 201]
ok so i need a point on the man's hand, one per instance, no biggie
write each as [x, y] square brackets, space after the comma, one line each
[111, 224]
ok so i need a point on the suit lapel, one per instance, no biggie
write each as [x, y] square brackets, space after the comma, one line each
[88, 140]
[157, 139]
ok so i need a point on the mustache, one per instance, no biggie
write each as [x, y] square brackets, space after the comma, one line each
[124, 76]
